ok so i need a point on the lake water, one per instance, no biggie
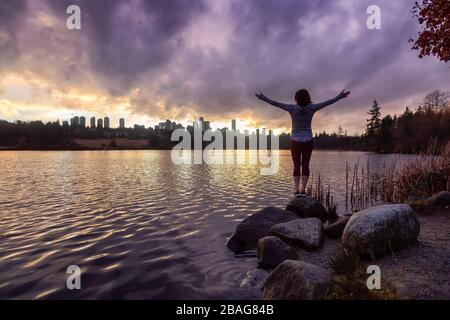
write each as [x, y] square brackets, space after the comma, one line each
[138, 226]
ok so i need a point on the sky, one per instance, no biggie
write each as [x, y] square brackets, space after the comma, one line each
[151, 60]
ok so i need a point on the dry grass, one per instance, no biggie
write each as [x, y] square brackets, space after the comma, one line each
[420, 177]
[349, 281]
[427, 174]
[317, 190]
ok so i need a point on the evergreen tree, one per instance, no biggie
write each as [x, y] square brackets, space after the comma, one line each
[374, 122]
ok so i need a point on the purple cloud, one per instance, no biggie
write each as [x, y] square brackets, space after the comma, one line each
[184, 57]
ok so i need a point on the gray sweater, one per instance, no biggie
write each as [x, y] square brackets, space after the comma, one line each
[302, 116]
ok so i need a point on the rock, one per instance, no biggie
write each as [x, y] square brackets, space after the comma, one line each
[304, 233]
[254, 278]
[308, 207]
[336, 228]
[441, 199]
[257, 226]
[272, 251]
[296, 280]
[379, 229]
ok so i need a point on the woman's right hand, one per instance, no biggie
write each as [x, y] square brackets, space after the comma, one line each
[344, 94]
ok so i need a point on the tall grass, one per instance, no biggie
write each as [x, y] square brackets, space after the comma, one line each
[323, 194]
[419, 177]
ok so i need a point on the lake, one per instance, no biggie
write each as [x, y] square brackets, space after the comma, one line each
[138, 226]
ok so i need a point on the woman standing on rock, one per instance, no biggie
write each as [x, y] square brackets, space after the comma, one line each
[301, 138]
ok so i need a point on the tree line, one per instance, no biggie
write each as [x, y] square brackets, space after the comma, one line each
[408, 132]
[412, 130]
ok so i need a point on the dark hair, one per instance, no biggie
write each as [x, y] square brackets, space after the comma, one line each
[303, 98]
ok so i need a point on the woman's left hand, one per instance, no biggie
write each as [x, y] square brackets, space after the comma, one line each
[260, 95]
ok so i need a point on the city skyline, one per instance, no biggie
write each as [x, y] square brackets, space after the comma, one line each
[94, 123]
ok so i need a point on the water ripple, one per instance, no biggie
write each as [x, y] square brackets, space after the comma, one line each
[138, 226]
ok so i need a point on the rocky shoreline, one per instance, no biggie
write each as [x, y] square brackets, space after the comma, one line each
[300, 250]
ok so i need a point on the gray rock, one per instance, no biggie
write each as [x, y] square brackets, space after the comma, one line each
[272, 251]
[304, 233]
[441, 199]
[336, 228]
[254, 278]
[257, 226]
[296, 280]
[377, 230]
[308, 207]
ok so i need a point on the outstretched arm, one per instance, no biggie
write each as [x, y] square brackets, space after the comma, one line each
[283, 106]
[342, 95]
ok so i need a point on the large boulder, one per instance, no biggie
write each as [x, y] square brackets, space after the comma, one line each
[336, 228]
[272, 251]
[303, 233]
[296, 280]
[377, 230]
[308, 207]
[441, 199]
[257, 226]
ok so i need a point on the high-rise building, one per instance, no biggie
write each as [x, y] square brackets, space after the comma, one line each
[122, 123]
[75, 121]
[92, 122]
[106, 122]
[83, 122]
[233, 125]
[257, 139]
[100, 123]
[200, 124]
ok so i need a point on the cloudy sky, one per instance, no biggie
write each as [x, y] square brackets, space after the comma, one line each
[149, 60]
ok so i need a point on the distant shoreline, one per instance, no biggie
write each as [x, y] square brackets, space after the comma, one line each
[121, 144]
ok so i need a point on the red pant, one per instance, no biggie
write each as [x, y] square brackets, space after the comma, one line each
[301, 154]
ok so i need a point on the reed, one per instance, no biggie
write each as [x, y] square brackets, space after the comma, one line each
[422, 175]
[318, 191]
[425, 175]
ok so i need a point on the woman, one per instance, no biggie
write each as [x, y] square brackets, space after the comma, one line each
[302, 138]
